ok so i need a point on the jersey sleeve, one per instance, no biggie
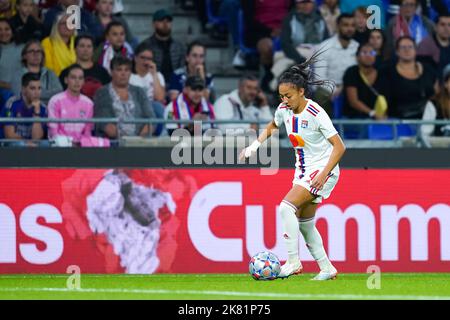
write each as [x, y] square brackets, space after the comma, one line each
[278, 117]
[325, 125]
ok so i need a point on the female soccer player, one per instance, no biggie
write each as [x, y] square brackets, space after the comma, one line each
[318, 149]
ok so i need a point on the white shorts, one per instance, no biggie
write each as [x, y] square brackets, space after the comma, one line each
[305, 181]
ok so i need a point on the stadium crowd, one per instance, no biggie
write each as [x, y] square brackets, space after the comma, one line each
[398, 69]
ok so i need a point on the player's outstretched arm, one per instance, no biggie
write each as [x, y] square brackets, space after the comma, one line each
[267, 132]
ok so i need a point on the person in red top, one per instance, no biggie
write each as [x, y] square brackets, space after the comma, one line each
[262, 25]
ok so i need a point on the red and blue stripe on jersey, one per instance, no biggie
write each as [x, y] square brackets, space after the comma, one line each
[294, 124]
[312, 110]
[301, 160]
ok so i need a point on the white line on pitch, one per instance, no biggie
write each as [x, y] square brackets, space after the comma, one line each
[231, 293]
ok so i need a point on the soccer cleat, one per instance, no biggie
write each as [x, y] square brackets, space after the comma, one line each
[326, 275]
[288, 270]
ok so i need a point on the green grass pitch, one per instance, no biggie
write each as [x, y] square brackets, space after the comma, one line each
[409, 286]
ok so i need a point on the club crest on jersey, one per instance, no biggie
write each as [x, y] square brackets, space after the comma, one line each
[304, 124]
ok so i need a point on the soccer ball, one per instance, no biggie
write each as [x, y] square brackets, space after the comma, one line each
[264, 266]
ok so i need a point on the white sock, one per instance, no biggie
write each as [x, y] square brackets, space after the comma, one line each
[290, 228]
[314, 243]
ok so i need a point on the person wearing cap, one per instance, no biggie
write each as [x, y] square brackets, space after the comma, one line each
[190, 105]
[168, 53]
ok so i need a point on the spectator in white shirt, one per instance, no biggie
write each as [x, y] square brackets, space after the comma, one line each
[339, 53]
[146, 75]
[248, 102]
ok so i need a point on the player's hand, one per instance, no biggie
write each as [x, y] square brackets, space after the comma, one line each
[246, 153]
[319, 181]
[242, 155]
[250, 150]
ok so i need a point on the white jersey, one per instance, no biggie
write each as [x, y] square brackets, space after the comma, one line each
[308, 132]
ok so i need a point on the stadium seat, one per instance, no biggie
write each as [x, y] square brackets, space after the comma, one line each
[338, 105]
[380, 132]
[406, 130]
[385, 131]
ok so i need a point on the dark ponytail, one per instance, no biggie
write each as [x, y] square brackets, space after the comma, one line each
[302, 76]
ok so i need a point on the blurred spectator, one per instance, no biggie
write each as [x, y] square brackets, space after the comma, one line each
[41, 7]
[46, 4]
[408, 84]
[349, 6]
[118, 8]
[407, 23]
[95, 76]
[71, 104]
[59, 47]
[7, 8]
[362, 85]
[115, 45]
[377, 40]
[437, 44]
[33, 61]
[200, 9]
[146, 75]
[247, 102]
[229, 10]
[24, 24]
[429, 8]
[5, 94]
[89, 5]
[190, 105]
[432, 9]
[262, 20]
[88, 24]
[104, 15]
[442, 104]
[9, 54]
[361, 32]
[338, 54]
[195, 66]
[302, 29]
[119, 99]
[168, 53]
[27, 105]
[330, 11]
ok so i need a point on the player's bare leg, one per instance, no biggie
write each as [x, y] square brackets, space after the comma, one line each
[294, 199]
[314, 241]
